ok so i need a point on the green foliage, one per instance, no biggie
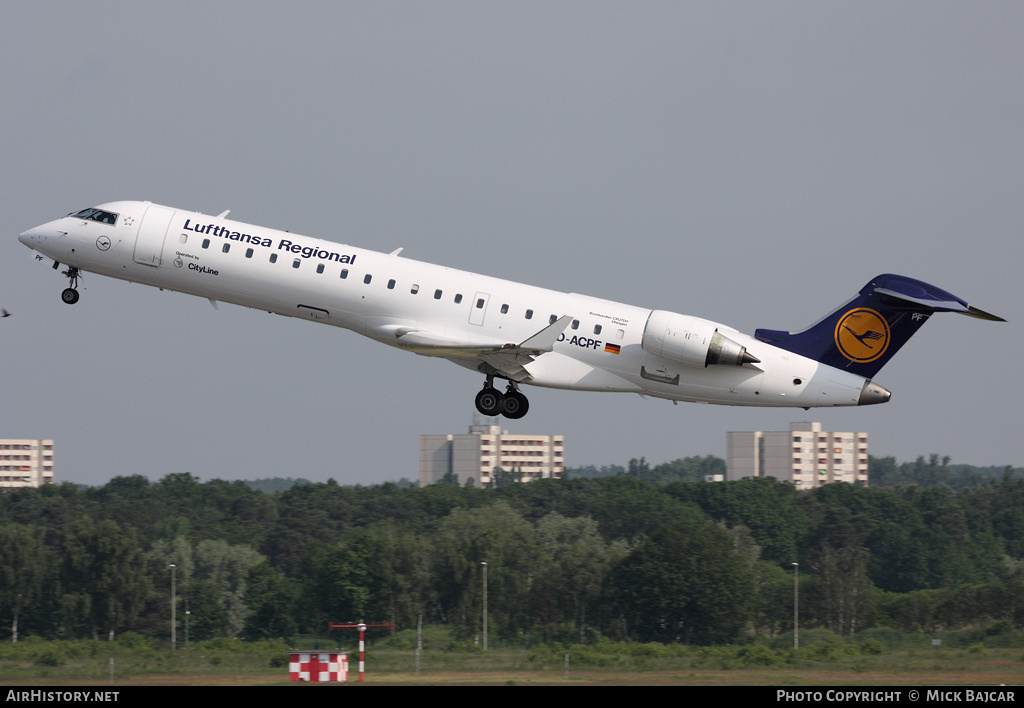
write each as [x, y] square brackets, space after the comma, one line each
[687, 583]
[51, 656]
[842, 593]
[226, 568]
[769, 508]
[135, 642]
[207, 617]
[579, 560]
[885, 636]
[500, 537]
[885, 472]
[103, 575]
[275, 484]
[273, 601]
[826, 647]
[758, 655]
[624, 556]
[772, 604]
[223, 645]
[337, 585]
[871, 647]
[24, 564]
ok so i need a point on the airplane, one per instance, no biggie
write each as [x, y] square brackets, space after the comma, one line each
[503, 330]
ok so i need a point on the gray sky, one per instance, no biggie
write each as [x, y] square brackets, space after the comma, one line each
[751, 163]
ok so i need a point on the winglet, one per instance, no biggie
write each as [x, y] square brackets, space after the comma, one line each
[544, 340]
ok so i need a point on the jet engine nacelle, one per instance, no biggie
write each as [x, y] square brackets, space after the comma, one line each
[692, 341]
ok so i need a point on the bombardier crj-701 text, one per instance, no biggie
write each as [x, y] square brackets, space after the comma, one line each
[501, 329]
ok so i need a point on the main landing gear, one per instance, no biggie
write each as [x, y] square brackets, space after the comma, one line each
[70, 295]
[511, 404]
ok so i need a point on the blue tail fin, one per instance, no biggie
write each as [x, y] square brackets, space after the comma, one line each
[862, 335]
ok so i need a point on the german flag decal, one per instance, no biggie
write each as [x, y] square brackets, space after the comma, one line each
[611, 348]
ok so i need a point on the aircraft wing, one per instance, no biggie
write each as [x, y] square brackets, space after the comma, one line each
[504, 359]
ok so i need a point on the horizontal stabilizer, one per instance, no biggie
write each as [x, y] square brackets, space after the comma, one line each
[953, 305]
[982, 315]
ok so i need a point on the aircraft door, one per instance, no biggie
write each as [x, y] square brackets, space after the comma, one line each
[478, 308]
[149, 244]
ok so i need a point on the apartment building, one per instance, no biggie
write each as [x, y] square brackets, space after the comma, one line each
[486, 449]
[805, 455]
[25, 463]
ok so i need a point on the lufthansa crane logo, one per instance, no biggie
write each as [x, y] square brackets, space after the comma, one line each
[862, 335]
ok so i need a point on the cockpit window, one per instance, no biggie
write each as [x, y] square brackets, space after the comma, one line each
[104, 217]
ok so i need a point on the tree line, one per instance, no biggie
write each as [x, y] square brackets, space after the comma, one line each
[624, 557]
[882, 471]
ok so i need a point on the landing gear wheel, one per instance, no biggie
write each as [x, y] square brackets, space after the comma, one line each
[70, 295]
[516, 405]
[490, 402]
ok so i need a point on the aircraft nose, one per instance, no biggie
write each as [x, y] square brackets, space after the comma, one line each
[28, 237]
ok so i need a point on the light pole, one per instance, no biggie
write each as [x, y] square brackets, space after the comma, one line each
[484, 564]
[174, 602]
[796, 605]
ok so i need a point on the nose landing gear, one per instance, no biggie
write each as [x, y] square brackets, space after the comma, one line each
[70, 295]
[512, 404]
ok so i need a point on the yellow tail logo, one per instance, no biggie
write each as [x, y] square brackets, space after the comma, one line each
[862, 335]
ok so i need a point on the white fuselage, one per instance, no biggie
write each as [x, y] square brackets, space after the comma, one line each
[383, 296]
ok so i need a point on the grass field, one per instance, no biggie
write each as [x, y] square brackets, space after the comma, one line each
[390, 667]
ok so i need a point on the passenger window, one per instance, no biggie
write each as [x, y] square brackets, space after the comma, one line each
[552, 319]
[367, 279]
[273, 258]
[225, 248]
[575, 324]
[248, 253]
[391, 284]
[183, 238]
[344, 273]
[414, 289]
[206, 243]
[597, 329]
[480, 304]
[295, 263]
[529, 314]
[458, 298]
[320, 268]
[437, 294]
[504, 309]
